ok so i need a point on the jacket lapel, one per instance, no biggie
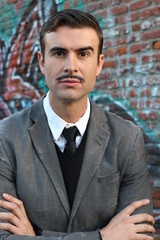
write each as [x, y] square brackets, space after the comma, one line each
[43, 143]
[97, 140]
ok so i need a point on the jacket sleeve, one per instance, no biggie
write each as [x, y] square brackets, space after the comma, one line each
[135, 181]
[55, 236]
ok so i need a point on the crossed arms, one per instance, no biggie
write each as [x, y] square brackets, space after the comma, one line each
[123, 226]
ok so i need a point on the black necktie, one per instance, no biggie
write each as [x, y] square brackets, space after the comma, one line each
[70, 136]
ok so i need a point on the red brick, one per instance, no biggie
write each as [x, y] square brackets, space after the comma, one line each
[119, 10]
[156, 45]
[138, 48]
[157, 1]
[139, 4]
[132, 60]
[146, 59]
[156, 57]
[134, 16]
[136, 27]
[124, 19]
[101, 14]
[117, 51]
[105, 75]
[107, 3]
[155, 11]
[128, 83]
[110, 64]
[111, 53]
[151, 35]
[117, 1]
[110, 43]
[145, 92]
[94, 6]
[142, 104]
[133, 93]
[146, 13]
[13, 63]
[122, 50]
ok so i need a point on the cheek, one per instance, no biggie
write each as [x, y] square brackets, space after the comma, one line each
[50, 70]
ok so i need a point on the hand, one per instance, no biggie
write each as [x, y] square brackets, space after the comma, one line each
[16, 219]
[126, 227]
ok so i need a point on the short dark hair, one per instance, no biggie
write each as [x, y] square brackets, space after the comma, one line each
[72, 18]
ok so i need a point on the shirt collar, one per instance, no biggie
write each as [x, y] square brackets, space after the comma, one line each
[57, 124]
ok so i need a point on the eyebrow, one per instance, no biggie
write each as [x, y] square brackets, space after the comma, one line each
[65, 50]
[57, 49]
[86, 48]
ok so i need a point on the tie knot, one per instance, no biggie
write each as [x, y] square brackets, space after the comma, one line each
[70, 133]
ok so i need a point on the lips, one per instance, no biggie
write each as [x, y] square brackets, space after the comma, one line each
[70, 80]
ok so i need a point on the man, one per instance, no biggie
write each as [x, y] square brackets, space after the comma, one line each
[95, 186]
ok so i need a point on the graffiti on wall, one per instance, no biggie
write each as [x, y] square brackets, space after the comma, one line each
[20, 78]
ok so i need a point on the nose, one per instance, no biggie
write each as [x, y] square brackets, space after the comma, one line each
[71, 64]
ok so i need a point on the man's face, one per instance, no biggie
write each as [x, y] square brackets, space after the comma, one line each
[70, 63]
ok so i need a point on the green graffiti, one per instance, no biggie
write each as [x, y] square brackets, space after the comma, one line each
[42, 85]
[10, 16]
[108, 102]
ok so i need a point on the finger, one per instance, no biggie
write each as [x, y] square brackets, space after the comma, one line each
[142, 228]
[12, 207]
[133, 206]
[8, 227]
[12, 199]
[142, 217]
[144, 237]
[11, 218]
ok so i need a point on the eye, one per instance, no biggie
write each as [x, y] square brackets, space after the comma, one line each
[59, 53]
[84, 54]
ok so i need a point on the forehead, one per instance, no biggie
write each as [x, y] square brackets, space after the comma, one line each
[75, 37]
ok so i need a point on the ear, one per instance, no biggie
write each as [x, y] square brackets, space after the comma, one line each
[100, 64]
[41, 62]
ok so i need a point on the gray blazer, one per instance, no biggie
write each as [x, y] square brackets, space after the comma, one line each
[114, 173]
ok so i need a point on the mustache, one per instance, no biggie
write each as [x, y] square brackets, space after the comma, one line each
[70, 76]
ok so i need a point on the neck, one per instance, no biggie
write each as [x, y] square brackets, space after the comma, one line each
[70, 112]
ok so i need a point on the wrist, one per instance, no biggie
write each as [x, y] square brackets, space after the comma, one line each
[38, 230]
[100, 236]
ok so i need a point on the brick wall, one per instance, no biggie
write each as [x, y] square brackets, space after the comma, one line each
[129, 84]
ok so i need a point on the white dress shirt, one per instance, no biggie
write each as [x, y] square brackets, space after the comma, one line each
[57, 124]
